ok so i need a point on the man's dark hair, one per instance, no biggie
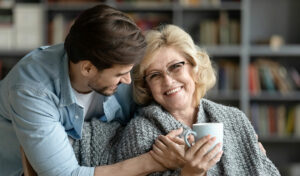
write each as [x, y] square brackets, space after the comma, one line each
[105, 36]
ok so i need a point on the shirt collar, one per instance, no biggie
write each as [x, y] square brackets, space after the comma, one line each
[67, 95]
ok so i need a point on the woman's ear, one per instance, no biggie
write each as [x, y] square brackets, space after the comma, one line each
[87, 69]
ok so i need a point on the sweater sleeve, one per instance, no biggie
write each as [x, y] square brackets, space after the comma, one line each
[138, 138]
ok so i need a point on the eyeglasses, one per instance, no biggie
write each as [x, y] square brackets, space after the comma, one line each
[173, 70]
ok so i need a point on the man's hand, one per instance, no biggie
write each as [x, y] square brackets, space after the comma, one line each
[169, 150]
[261, 147]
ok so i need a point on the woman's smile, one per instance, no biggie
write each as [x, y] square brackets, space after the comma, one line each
[173, 91]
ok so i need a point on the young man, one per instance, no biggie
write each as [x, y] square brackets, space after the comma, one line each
[48, 95]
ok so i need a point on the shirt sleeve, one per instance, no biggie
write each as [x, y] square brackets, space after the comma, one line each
[36, 120]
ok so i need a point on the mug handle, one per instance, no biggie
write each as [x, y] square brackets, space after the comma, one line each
[186, 137]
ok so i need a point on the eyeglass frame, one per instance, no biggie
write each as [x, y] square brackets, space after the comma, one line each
[166, 70]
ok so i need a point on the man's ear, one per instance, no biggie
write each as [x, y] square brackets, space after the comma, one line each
[87, 68]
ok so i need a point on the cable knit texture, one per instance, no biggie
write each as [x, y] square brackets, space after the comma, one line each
[107, 143]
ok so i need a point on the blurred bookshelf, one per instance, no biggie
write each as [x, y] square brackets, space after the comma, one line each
[254, 46]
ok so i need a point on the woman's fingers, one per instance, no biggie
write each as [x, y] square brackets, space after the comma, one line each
[197, 146]
[205, 148]
[202, 156]
[212, 153]
[215, 159]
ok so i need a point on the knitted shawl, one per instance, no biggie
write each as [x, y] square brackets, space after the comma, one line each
[107, 143]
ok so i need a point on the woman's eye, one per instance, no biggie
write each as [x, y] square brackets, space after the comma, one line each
[154, 75]
[176, 66]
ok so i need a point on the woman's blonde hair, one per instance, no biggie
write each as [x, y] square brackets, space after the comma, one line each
[173, 36]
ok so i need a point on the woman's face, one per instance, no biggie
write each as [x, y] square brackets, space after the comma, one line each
[170, 80]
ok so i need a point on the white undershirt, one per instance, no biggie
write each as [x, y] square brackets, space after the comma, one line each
[91, 103]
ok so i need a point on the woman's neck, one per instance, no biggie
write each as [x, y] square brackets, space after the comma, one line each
[186, 116]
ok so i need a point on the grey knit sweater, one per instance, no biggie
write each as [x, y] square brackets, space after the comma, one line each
[107, 143]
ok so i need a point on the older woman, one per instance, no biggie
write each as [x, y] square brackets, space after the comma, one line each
[170, 82]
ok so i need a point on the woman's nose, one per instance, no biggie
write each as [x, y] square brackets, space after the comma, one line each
[168, 79]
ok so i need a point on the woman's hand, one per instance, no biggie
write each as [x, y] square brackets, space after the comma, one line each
[169, 150]
[199, 159]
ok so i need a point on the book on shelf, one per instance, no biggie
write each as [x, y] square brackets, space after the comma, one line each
[290, 123]
[272, 120]
[58, 28]
[275, 120]
[297, 121]
[28, 22]
[200, 2]
[295, 76]
[73, 1]
[235, 31]
[228, 76]
[6, 32]
[268, 75]
[7, 3]
[222, 31]
[209, 32]
[254, 83]
[224, 28]
[281, 122]
[148, 21]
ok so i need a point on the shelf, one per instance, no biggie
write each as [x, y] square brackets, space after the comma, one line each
[266, 50]
[13, 53]
[276, 96]
[6, 5]
[274, 139]
[144, 6]
[230, 50]
[80, 6]
[223, 6]
[223, 95]
[141, 7]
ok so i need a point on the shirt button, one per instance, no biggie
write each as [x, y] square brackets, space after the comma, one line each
[76, 116]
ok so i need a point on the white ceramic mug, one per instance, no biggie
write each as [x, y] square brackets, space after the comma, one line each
[203, 129]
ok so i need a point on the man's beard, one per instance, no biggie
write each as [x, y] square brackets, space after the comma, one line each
[106, 91]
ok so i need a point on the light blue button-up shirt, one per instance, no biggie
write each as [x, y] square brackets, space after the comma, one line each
[38, 110]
